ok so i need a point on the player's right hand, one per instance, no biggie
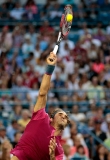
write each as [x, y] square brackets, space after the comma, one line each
[52, 59]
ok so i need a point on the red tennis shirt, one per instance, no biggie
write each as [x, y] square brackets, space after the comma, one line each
[34, 143]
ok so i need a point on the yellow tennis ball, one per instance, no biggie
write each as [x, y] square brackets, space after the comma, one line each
[69, 17]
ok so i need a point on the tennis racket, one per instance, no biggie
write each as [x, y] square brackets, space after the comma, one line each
[65, 26]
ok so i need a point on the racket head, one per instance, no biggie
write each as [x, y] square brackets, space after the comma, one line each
[65, 26]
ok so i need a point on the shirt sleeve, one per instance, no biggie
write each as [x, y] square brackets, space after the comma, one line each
[40, 114]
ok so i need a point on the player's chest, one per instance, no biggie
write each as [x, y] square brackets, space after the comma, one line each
[59, 149]
[45, 146]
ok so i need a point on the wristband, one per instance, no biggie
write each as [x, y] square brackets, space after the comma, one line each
[49, 69]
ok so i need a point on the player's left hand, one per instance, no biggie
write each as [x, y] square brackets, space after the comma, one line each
[52, 147]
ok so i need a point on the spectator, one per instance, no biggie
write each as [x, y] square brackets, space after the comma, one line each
[97, 131]
[77, 143]
[27, 47]
[105, 127]
[9, 4]
[99, 113]
[3, 134]
[76, 115]
[67, 150]
[101, 78]
[12, 129]
[40, 67]
[37, 51]
[79, 54]
[100, 35]
[74, 135]
[105, 50]
[31, 109]
[101, 154]
[17, 137]
[84, 29]
[32, 34]
[58, 83]
[81, 94]
[108, 29]
[80, 153]
[17, 12]
[19, 90]
[98, 66]
[92, 54]
[5, 39]
[18, 38]
[45, 28]
[91, 73]
[16, 114]
[85, 81]
[70, 44]
[55, 12]
[31, 9]
[94, 88]
[73, 81]
[25, 118]
[1, 123]
[107, 93]
[3, 13]
[17, 58]
[65, 52]
[91, 124]
[33, 93]
[107, 143]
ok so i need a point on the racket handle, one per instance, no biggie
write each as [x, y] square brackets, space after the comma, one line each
[55, 49]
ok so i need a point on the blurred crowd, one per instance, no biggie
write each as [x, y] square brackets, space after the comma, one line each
[91, 10]
[82, 75]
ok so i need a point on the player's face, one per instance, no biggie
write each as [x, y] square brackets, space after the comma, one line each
[61, 119]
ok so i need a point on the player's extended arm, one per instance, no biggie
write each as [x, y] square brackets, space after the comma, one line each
[45, 84]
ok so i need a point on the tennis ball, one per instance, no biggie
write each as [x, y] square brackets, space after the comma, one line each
[69, 17]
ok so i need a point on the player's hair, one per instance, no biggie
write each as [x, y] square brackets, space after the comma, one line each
[52, 115]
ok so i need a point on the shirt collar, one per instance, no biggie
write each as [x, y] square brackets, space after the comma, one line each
[52, 134]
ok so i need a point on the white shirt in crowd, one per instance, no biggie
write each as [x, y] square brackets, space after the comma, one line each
[62, 51]
[17, 13]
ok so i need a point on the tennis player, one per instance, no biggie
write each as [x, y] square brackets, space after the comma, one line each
[41, 138]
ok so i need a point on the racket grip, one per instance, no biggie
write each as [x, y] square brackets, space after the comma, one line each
[55, 49]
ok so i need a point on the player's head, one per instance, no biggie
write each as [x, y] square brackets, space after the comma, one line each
[59, 119]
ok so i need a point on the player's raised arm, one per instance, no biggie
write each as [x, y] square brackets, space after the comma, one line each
[45, 84]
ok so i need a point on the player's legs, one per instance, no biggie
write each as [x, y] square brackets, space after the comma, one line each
[14, 158]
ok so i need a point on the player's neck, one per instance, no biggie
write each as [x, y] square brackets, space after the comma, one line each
[58, 129]
[58, 132]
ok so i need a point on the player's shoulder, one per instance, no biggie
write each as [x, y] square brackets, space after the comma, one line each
[40, 114]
